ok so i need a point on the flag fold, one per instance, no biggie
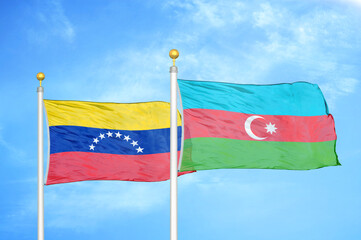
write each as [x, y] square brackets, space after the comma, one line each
[281, 126]
[108, 141]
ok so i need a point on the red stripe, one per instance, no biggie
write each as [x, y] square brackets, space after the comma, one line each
[225, 124]
[81, 166]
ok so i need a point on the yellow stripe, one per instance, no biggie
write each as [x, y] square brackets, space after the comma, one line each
[121, 116]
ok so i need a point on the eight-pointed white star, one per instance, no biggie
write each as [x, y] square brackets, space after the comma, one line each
[92, 147]
[271, 128]
[109, 134]
[134, 143]
[117, 135]
[101, 136]
[139, 149]
[96, 140]
[126, 138]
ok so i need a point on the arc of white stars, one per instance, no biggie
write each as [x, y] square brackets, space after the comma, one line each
[118, 135]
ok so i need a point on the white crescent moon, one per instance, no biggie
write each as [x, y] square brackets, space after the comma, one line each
[247, 127]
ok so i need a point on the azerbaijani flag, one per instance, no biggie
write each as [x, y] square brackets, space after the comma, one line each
[281, 126]
[108, 141]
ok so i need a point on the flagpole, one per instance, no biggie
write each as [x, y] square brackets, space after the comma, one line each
[173, 148]
[40, 76]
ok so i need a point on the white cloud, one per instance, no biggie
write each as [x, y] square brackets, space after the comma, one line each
[214, 186]
[13, 151]
[267, 16]
[339, 87]
[348, 85]
[353, 2]
[311, 42]
[83, 205]
[134, 75]
[53, 22]
[210, 13]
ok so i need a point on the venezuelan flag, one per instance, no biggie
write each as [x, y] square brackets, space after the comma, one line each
[108, 141]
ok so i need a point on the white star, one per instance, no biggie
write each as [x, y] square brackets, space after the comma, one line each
[126, 138]
[96, 140]
[271, 128]
[139, 149]
[91, 147]
[109, 134]
[117, 135]
[101, 136]
[134, 143]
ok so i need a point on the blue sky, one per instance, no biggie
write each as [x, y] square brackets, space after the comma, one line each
[118, 51]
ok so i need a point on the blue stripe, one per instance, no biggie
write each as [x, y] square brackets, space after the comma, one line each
[297, 99]
[79, 139]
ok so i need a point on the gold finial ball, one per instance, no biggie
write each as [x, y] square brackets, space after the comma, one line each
[173, 53]
[40, 76]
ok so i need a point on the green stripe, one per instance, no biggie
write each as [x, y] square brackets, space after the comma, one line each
[220, 153]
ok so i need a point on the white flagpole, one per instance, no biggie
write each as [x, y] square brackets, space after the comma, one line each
[173, 148]
[40, 76]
